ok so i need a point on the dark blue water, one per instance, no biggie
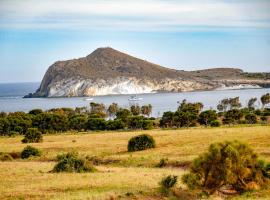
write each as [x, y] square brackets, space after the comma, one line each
[17, 89]
[11, 99]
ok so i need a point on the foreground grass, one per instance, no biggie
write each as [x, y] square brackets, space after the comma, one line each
[120, 172]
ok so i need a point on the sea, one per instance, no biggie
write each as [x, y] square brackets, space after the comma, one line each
[11, 99]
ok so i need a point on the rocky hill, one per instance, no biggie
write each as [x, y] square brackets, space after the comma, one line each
[108, 71]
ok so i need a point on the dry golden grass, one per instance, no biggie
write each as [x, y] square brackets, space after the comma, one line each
[132, 173]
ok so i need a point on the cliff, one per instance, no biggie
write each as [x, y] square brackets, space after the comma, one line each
[108, 71]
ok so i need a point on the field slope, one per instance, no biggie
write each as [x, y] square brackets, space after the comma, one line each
[120, 174]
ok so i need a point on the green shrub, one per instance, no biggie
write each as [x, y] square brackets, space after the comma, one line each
[215, 123]
[148, 124]
[141, 142]
[251, 118]
[206, 117]
[78, 122]
[70, 162]
[30, 151]
[115, 124]
[229, 164]
[5, 157]
[168, 181]
[163, 162]
[33, 135]
[135, 122]
[96, 124]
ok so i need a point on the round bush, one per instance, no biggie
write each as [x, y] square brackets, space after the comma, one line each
[251, 119]
[215, 123]
[30, 151]
[70, 162]
[141, 142]
[33, 135]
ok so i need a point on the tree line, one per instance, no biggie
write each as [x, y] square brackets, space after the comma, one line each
[113, 117]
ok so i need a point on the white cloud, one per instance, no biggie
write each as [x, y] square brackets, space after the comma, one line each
[133, 15]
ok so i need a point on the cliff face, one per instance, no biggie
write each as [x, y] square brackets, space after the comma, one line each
[108, 71]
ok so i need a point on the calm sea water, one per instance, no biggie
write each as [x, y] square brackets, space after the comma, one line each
[11, 99]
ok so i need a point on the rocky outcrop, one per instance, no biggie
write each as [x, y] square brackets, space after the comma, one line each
[108, 71]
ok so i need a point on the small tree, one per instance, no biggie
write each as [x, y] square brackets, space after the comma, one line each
[78, 122]
[227, 164]
[265, 99]
[98, 108]
[30, 151]
[232, 116]
[251, 103]
[135, 110]
[146, 110]
[123, 114]
[206, 117]
[141, 142]
[33, 135]
[113, 109]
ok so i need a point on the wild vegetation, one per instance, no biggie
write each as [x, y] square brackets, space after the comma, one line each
[99, 117]
[159, 164]
[120, 174]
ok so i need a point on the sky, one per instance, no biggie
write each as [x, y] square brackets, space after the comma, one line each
[180, 34]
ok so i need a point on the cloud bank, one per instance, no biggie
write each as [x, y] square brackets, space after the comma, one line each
[139, 15]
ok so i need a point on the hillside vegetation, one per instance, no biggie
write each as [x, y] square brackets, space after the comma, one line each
[120, 174]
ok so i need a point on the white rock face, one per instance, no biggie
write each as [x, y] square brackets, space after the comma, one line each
[121, 85]
[88, 88]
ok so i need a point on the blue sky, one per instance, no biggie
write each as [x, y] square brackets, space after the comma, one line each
[183, 34]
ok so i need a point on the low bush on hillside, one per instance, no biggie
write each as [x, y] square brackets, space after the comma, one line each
[33, 135]
[5, 157]
[167, 183]
[227, 165]
[30, 151]
[71, 162]
[141, 142]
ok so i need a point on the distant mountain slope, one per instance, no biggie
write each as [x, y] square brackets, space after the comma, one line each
[108, 71]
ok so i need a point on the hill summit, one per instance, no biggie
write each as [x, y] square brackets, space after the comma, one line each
[108, 71]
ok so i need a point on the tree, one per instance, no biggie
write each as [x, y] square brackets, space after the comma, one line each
[229, 103]
[194, 108]
[123, 114]
[146, 110]
[78, 122]
[184, 119]
[135, 110]
[265, 99]
[96, 124]
[251, 103]
[206, 117]
[228, 164]
[4, 126]
[113, 109]
[98, 109]
[167, 119]
[232, 116]
[135, 122]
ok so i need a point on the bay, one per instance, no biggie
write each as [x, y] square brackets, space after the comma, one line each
[11, 99]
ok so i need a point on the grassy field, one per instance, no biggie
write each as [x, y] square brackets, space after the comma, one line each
[120, 173]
